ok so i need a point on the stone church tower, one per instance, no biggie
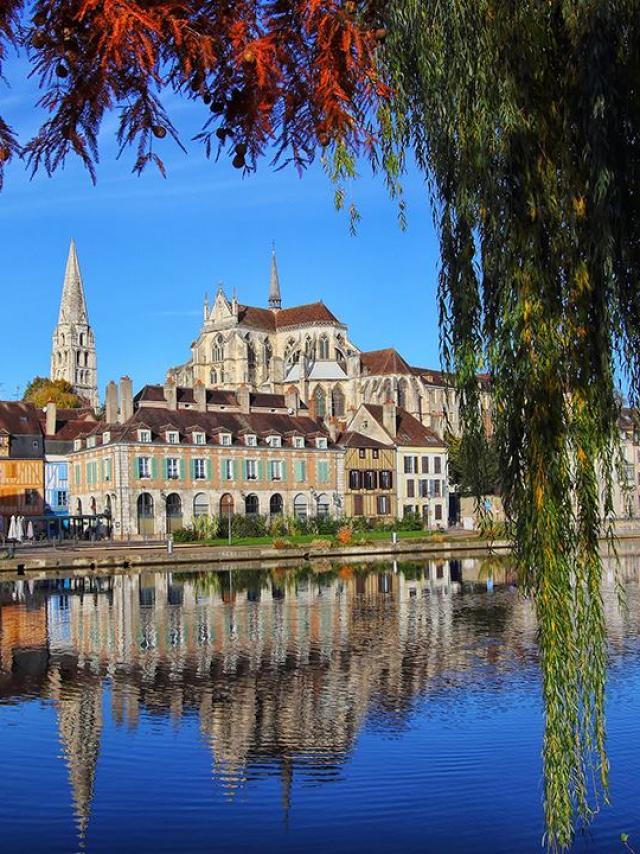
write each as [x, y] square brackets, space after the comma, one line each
[73, 354]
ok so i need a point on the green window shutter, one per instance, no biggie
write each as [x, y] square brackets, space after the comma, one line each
[245, 473]
[223, 465]
[208, 468]
[193, 469]
[181, 468]
[154, 468]
[165, 468]
[284, 470]
[234, 469]
[260, 470]
[136, 467]
[299, 470]
[323, 471]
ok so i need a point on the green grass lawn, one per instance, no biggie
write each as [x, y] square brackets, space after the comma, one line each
[302, 539]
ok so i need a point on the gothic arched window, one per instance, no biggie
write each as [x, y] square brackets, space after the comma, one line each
[214, 377]
[402, 395]
[323, 347]
[320, 402]
[337, 402]
[217, 351]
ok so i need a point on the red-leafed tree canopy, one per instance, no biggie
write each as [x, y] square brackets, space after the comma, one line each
[291, 75]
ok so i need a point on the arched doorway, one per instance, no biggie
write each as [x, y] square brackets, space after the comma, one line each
[275, 505]
[145, 515]
[174, 512]
[251, 505]
[226, 505]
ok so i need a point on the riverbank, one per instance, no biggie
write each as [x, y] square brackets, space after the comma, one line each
[129, 555]
[119, 557]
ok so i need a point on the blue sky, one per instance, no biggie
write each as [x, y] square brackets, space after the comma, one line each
[150, 247]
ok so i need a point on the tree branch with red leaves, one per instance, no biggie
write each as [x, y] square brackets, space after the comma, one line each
[285, 76]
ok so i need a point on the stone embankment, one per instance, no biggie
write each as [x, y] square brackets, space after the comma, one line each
[121, 557]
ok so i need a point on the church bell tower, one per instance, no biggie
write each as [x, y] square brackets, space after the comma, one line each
[73, 354]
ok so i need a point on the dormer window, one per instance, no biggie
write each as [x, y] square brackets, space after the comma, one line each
[91, 442]
[251, 440]
[199, 438]
[144, 435]
[106, 437]
[173, 437]
[225, 438]
[321, 443]
[77, 444]
[298, 442]
[274, 441]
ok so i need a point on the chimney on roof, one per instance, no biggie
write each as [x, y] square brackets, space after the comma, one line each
[126, 399]
[292, 400]
[200, 395]
[51, 418]
[243, 396]
[171, 393]
[111, 403]
[389, 413]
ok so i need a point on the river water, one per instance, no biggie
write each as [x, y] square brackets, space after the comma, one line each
[389, 707]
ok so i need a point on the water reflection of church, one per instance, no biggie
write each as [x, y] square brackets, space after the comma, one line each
[281, 667]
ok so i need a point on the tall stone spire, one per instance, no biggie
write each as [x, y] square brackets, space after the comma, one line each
[73, 308]
[275, 300]
[73, 354]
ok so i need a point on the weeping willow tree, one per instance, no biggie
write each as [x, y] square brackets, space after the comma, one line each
[525, 118]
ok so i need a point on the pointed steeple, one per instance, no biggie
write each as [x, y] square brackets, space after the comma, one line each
[275, 300]
[73, 308]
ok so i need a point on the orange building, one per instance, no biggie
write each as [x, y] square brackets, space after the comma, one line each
[21, 460]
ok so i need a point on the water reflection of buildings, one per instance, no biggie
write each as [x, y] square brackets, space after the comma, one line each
[280, 667]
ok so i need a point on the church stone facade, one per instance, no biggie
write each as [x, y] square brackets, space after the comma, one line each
[306, 346]
[73, 352]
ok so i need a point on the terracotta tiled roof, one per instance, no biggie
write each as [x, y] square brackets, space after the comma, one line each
[409, 431]
[271, 319]
[233, 422]
[358, 440]
[382, 362]
[19, 419]
[70, 423]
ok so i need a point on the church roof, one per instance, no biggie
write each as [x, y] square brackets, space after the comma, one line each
[387, 361]
[73, 308]
[271, 319]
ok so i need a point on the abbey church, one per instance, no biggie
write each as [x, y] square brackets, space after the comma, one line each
[269, 349]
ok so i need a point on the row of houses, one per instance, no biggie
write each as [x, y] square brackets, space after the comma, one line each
[158, 460]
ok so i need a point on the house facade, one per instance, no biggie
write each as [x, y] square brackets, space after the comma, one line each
[21, 461]
[390, 452]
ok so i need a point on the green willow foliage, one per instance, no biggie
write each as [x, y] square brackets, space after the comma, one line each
[525, 117]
